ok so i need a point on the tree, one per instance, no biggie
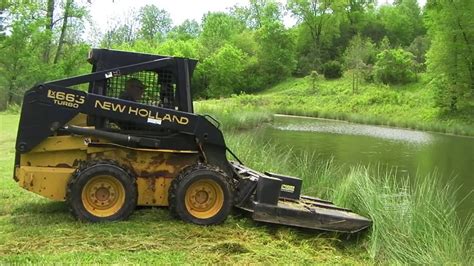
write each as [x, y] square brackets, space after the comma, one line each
[320, 21]
[358, 56]
[258, 11]
[373, 27]
[70, 11]
[222, 71]
[450, 58]
[188, 48]
[49, 23]
[418, 48]
[403, 21]
[187, 30]
[356, 12]
[28, 35]
[155, 23]
[121, 30]
[217, 29]
[24, 47]
[275, 53]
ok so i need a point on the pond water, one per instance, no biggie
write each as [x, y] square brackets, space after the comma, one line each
[407, 152]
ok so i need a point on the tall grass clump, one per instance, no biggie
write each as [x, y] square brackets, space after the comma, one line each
[414, 220]
[234, 118]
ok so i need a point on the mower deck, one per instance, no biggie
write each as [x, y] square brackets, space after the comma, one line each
[293, 209]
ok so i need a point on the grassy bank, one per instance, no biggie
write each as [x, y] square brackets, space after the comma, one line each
[410, 106]
[413, 223]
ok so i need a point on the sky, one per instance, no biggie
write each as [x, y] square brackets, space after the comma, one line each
[104, 12]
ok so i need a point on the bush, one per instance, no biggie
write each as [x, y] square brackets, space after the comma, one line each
[395, 66]
[332, 70]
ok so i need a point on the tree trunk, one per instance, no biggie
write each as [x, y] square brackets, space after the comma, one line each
[353, 81]
[67, 8]
[49, 28]
[454, 91]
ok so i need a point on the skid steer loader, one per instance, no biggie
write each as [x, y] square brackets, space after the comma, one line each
[105, 154]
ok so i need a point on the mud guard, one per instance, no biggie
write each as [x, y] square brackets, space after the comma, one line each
[276, 199]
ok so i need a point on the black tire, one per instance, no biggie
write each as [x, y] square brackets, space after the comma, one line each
[191, 175]
[115, 174]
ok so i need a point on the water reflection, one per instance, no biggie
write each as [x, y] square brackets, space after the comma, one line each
[337, 127]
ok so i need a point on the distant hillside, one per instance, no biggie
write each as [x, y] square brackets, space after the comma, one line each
[408, 106]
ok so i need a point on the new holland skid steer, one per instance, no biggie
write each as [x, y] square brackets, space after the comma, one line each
[105, 152]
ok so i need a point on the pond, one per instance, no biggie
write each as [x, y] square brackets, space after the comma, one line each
[407, 152]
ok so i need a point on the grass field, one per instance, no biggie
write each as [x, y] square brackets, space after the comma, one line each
[411, 224]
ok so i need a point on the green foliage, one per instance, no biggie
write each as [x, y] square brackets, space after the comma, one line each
[122, 34]
[450, 58]
[403, 21]
[29, 50]
[319, 26]
[407, 216]
[275, 53]
[326, 32]
[217, 29]
[314, 77]
[418, 48]
[189, 29]
[188, 48]
[409, 106]
[395, 66]
[257, 13]
[359, 53]
[249, 116]
[332, 70]
[155, 23]
[223, 71]
[359, 56]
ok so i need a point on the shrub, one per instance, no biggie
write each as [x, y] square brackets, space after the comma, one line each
[395, 66]
[332, 70]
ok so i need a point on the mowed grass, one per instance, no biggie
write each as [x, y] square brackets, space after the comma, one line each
[37, 230]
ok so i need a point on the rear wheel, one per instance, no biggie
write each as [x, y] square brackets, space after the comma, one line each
[102, 191]
[201, 194]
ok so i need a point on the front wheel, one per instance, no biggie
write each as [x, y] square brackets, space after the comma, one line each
[201, 194]
[101, 191]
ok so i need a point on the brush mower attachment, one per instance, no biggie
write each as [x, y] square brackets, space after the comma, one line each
[276, 199]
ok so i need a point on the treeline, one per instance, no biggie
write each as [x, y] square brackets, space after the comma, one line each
[248, 48]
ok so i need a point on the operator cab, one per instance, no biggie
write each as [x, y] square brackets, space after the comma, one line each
[166, 87]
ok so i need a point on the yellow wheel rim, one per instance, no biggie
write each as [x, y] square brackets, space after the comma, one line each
[103, 196]
[204, 198]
